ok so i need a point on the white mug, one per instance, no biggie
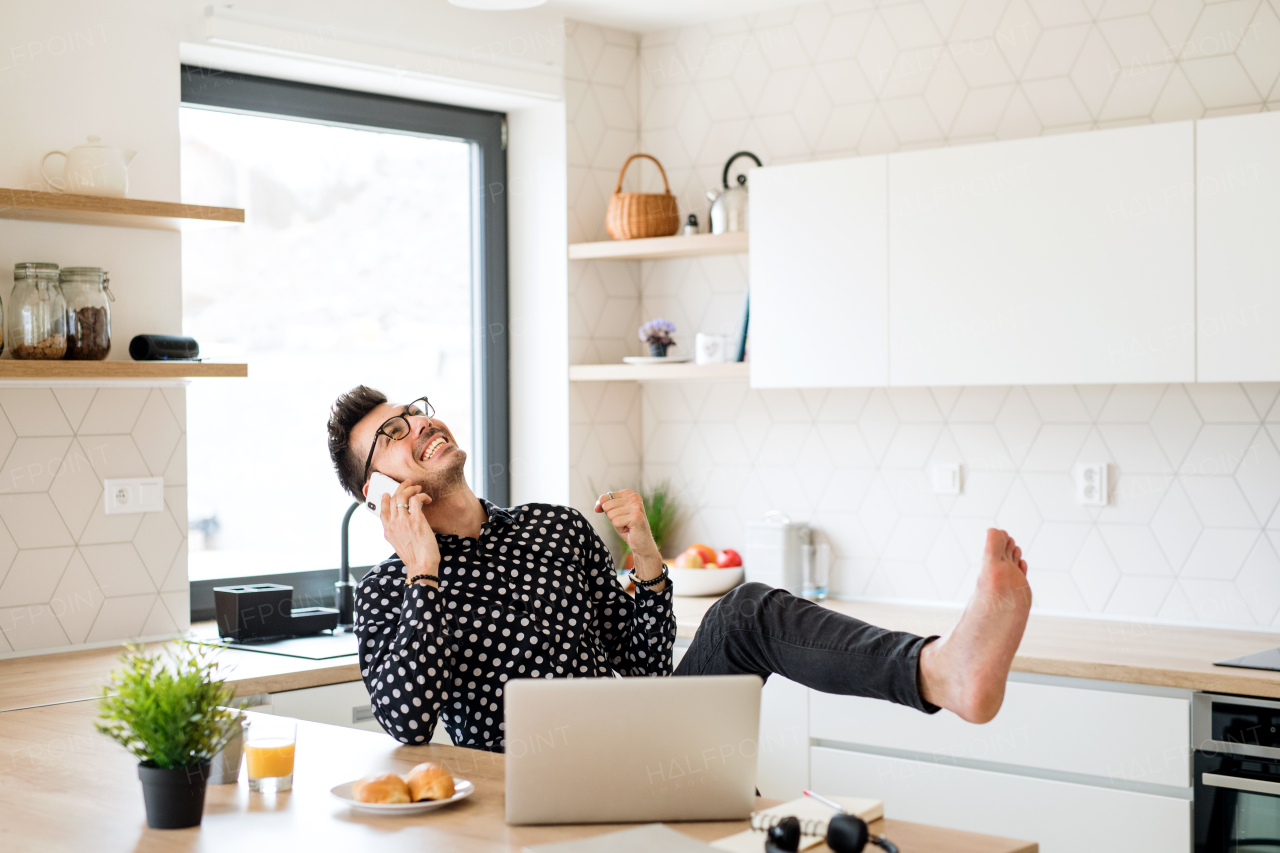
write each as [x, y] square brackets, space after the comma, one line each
[710, 349]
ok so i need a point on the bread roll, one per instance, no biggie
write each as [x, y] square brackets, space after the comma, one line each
[428, 781]
[381, 788]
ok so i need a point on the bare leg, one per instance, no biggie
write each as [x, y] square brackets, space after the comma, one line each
[965, 671]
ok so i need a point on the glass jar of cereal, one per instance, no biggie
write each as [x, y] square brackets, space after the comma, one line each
[36, 326]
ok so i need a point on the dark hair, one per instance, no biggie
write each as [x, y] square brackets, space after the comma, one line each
[347, 411]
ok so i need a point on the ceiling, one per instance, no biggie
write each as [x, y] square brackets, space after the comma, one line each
[648, 15]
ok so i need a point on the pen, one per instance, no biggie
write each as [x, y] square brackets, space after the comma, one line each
[824, 801]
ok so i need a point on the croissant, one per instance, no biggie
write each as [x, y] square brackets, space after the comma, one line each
[381, 788]
[428, 781]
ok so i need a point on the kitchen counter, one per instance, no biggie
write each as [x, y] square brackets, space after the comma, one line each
[73, 676]
[66, 787]
[1079, 648]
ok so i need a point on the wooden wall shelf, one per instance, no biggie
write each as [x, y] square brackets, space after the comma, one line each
[658, 248]
[120, 212]
[657, 372]
[12, 368]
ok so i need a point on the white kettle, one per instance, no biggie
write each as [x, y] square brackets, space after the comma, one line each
[729, 206]
[92, 169]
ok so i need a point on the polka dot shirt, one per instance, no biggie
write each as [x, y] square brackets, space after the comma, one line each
[534, 596]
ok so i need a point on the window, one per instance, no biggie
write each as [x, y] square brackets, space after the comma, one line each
[371, 255]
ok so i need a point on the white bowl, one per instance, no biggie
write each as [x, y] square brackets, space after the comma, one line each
[692, 582]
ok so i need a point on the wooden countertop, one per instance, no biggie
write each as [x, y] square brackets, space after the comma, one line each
[66, 787]
[1079, 648]
[73, 676]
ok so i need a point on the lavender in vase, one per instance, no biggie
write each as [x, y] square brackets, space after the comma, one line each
[657, 334]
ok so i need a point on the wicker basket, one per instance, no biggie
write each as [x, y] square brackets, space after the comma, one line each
[635, 215]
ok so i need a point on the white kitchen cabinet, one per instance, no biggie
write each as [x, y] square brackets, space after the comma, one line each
[1060, 259]
[1062, 817]
[1237, 262]
[782, 763]
[819, 277]
[345, 704]
[1108, 734]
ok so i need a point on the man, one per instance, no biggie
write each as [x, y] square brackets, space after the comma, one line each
[476, 595]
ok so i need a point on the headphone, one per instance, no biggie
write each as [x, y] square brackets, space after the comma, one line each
[846, 833]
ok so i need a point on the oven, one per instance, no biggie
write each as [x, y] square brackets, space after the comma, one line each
[1237, 774]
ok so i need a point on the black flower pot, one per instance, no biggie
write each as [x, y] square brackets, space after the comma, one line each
[658, 350]
[174, 798]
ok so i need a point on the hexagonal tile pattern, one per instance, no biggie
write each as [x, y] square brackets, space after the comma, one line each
[77, 600]
[1198, 473]
[156, 432]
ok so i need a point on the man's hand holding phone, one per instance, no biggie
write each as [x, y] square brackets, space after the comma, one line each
[406, 528]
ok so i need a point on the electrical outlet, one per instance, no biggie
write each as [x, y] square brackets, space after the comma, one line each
[947, 479]
[1092, 484]
[140, 494]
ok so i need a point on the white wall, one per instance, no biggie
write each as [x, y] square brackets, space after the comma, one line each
[1193, 533]
[71, 68]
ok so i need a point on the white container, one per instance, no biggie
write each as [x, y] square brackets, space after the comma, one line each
[92, 169]
[710, 349]
[775, 555]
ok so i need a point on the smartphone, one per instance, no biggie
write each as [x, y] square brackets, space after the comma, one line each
[379, 484]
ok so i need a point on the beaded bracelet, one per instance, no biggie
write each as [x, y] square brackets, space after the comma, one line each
[423, 577]
[646, 584]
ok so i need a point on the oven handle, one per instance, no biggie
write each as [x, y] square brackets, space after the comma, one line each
[1254, 786]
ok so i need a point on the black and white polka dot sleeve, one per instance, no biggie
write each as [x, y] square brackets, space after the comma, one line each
[402, 658]
[638, 634]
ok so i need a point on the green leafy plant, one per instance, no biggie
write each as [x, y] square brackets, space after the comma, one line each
[168, 713]
[663, 510]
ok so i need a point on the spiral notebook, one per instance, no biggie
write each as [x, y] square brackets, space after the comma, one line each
[813, 816]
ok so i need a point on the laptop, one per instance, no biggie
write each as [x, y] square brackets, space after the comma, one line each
[628, 750]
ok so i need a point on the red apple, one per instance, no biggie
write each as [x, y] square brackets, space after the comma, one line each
[728, 558]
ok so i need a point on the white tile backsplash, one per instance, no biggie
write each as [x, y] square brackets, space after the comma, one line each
[1196, 467]
[69, 573]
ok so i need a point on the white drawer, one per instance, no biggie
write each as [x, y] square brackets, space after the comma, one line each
[1094, 732]
[345, 704]
[1060, 816]
[782, 762]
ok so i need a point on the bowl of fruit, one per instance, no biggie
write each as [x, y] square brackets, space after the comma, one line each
[701, 570]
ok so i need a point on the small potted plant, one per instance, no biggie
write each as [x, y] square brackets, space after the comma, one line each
[657, 334]
[173, 716]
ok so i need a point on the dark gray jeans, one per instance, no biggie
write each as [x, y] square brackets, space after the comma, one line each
[760, 630]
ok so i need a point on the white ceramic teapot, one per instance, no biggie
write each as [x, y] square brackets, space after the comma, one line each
[92, 169]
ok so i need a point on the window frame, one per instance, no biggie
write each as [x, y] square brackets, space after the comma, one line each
[486, 132]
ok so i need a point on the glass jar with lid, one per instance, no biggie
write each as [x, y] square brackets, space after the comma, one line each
[87, 291]
[36, 326]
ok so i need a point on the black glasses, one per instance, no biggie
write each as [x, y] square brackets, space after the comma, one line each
[397, 427]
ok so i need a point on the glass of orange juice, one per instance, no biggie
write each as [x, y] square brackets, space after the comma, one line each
[268, 749]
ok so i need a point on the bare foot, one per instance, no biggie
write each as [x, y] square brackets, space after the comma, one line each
[965, 671]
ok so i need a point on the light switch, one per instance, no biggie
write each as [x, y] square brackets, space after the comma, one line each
[1092, 484]
[140, 494]
[946, 479]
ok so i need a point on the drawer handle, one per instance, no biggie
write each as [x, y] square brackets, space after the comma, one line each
[364, 713]
[1254, 786]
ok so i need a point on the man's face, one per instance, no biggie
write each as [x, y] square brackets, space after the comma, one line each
[428, 456]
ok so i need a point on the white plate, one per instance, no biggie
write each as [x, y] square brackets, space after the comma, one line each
[694, 582]
[461, 790]
[653, 359]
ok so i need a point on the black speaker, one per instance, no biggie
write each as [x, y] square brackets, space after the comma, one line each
[161, 347]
